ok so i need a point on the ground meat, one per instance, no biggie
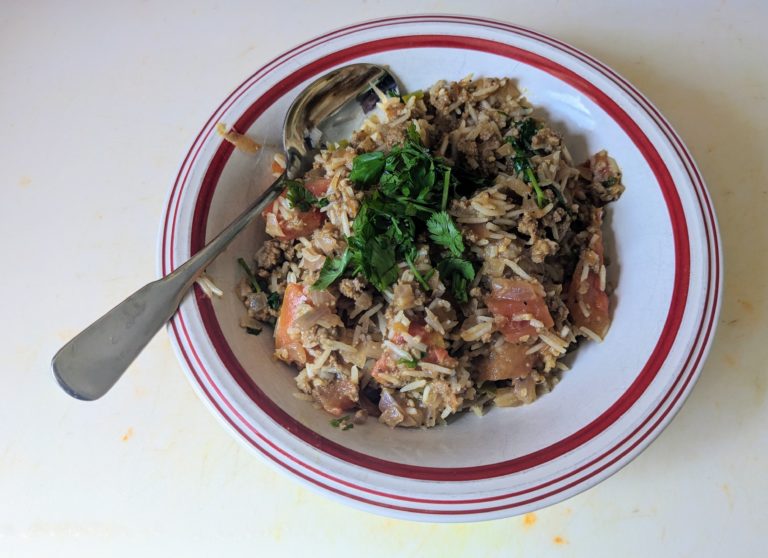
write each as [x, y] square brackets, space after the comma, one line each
[545, 139]
[542, 248]
[270, 254]
[528, 225]
[354, 289]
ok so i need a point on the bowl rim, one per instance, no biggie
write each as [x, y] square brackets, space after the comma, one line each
[178, 327]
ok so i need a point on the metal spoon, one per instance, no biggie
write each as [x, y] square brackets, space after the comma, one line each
[329, 109]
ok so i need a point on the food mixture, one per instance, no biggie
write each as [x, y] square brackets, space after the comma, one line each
[445, 258]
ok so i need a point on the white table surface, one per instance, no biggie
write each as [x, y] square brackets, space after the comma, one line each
[99, 102]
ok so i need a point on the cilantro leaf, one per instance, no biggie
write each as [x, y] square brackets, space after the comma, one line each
[409, 363]
[409, 186]
[410, 257]
[526, 130]
[338, 421]
[382, 264]
[301, 198]
[446, 187]
[521, 161]
[443, 231]
[274, 300]
[253, 281]
[413, 135]
[541, 199]
[367, 168]
[331, 270]
[458, 272]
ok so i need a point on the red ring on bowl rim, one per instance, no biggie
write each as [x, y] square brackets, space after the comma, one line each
[675, 315]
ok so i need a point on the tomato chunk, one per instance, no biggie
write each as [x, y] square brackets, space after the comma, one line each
[515, 298]
[299, 223]
[436, 352]
[288, 345]
[506, 362]
[587, 300]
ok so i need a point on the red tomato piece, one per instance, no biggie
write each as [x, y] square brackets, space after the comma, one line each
[511, 298]
[288, 345]
[588, 294]
[506, 362]
[301, 223]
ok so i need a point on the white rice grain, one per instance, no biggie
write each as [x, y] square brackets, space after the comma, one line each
[477, 331]
[471, 220]
[602, 278]
[517, 269]
[413, 385]
[397, 350]
[584, 273]
[370, 312]
[433, 321]
[535, 349]
[584, 309]
[431, 367]
[413, 343]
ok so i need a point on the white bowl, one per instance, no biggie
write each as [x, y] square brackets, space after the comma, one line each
[663, 244]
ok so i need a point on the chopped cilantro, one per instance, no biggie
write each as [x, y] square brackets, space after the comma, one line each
[410, 363]
[331, 270]
[342, 422]
[610, 182]
[253, 281]
[458, 272]
[301, 198]
[412, 186]
[443, 231]
[523, 152]
[367, 168]
[541, 199]
[274, 300]
[446, 188]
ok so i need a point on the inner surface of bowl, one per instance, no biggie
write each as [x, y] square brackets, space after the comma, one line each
[642, 266]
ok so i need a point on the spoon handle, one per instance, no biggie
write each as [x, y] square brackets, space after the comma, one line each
[91, 363]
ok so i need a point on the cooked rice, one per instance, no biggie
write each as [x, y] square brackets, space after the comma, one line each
[415, 354]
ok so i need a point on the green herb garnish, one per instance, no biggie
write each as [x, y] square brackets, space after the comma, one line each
[521, 162]
[610, 182]
[274, 300]
[367, 168]
[412, 197]
[342, 422]
[253, 281]
[459, 272]
[443, 231]
[410, 259]
[301, 198]
[253, 330]
[409, 363]
[331, 270]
